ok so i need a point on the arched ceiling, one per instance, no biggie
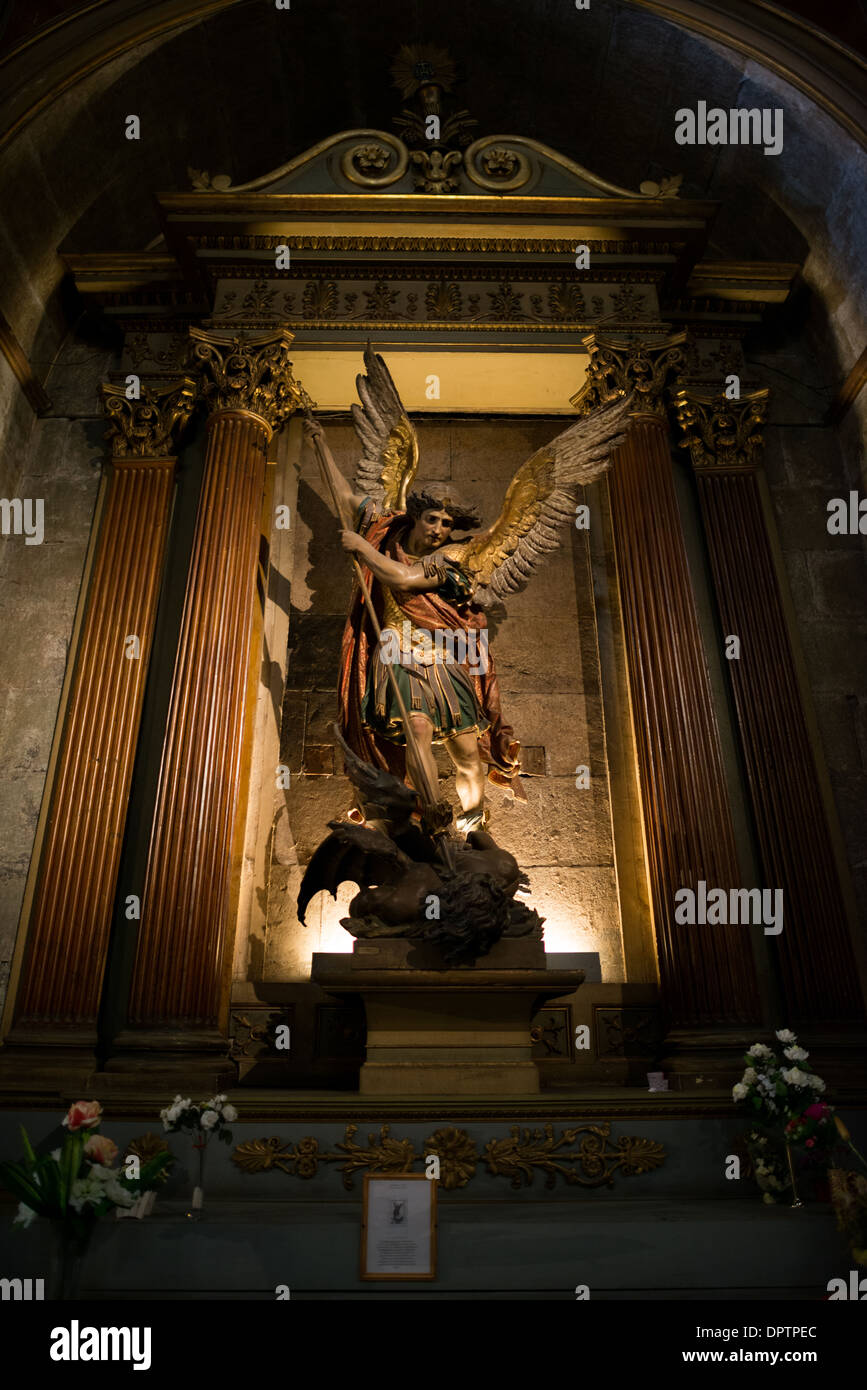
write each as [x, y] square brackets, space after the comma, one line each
[239, 88]
[247, 87]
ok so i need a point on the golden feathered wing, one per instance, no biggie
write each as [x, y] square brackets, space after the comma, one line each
[389, 443]
[540, 500]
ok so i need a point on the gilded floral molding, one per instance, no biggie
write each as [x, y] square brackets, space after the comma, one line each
[584, 1156]
[147, 1146]
[143, 427]
[426, 302]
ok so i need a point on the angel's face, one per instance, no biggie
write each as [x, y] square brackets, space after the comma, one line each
[431, 530]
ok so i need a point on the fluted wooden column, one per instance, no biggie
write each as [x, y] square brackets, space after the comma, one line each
[177, 995]
[59, 991]
[707, 974]
[814, 949]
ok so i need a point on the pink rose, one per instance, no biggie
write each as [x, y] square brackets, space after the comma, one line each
[84, 1114]
[100, 1149]
[817, 1111]
[810, 1143]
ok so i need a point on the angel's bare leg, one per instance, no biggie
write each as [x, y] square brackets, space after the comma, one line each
[463, 750]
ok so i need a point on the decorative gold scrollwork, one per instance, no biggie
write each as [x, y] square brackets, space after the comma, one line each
[434, 170]
[495, 164]
[722, 435]
[367, 165]
[143, 428]
[252, 374]
[593, 1163]
[146, 1147]
[457, 1154]
[621, 364]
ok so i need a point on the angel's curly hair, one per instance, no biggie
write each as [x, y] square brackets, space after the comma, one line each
[464, 518]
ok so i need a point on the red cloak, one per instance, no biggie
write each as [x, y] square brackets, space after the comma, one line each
[498, 746]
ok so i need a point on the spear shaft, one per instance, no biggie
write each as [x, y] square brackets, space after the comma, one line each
[429, 793]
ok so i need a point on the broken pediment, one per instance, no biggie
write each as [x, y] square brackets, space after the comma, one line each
[368, 161]
[437, 151]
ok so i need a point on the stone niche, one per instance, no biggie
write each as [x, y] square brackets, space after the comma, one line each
[548, 644]
[545, 648]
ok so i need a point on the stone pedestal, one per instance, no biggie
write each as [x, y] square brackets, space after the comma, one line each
[434, 1030]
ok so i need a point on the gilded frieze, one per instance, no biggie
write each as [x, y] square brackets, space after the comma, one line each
[584, 1156]
[425, 302]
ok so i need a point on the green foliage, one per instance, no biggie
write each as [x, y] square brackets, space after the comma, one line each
[45, 1183]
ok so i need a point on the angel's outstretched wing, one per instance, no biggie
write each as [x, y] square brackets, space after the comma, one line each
[390, 447]
[541, 499]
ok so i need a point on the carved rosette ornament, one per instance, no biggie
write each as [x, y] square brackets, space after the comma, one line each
[623, 363]
[378, 162]
[143, 428]
[253, 375]
[722, 435]
[495, 165]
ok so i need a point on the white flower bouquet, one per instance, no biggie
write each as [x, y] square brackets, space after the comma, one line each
[204, 1121]
[778, 1088]
[209, 1117]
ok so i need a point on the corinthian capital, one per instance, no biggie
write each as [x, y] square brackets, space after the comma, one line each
[722, 436]
[252, 374]
[143, 428]
[625, 363]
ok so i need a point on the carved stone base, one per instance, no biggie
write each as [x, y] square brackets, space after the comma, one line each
[702, 1059]
[184, 1057]
[35, 1060]
[437, 1031]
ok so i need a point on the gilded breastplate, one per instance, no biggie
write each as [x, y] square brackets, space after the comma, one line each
[420, 640]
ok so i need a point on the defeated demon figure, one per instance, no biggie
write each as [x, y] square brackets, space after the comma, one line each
[463, 902]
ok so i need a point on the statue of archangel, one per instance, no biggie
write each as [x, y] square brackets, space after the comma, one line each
[429, 585]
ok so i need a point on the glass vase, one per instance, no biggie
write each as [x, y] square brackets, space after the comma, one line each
[796, 1201]
[70, 1242]
[197, 1202]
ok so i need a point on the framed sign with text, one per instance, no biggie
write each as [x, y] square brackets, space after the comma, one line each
[398, 1226]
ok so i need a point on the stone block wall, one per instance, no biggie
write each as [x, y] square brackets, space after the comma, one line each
[59, 463]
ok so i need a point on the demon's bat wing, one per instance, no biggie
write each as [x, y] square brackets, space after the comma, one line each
[354, 854]
[382, 796]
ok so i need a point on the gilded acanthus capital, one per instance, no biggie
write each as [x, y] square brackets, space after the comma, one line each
[624, 364]
[722, 435]
[142, 426]
[252, 374]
